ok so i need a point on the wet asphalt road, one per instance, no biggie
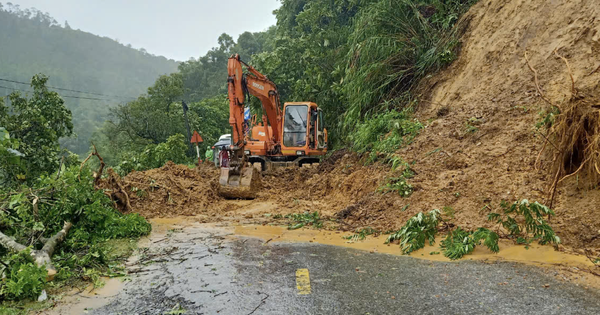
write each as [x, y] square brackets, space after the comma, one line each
[202, 272]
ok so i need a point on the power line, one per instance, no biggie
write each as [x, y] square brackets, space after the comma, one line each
[69, 90]
[67, 96]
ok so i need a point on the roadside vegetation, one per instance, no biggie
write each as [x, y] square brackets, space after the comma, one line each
[522, 221]
[56, 225]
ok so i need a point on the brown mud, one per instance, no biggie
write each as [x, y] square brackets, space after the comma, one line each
[80, 301]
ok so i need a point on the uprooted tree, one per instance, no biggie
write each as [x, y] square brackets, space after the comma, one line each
[42, 256]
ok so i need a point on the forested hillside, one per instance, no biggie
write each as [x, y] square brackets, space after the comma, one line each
[33, 42]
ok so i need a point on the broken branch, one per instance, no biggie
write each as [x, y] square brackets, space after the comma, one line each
[98, 174]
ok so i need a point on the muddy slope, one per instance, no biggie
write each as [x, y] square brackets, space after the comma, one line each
[491, 88]
[481, 144]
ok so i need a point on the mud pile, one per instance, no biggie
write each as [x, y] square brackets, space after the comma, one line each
[340, 181]
[172, 190]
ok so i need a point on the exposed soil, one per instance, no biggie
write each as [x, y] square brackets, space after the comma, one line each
[172, 190]
[480, 145]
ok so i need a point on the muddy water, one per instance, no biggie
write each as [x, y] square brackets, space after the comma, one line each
[533, 255]
[81, 301]
[536, 254]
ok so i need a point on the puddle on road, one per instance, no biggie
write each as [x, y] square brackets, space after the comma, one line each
[534, 255]
[80, 302]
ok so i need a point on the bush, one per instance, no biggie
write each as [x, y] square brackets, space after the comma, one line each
[23, 278]
[460, 242]
[384, 134]
[418, 229]
[155, 156]
[532, 214]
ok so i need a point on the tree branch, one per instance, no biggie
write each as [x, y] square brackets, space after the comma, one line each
[57, 238]
[537, 83]
[10, 243]
[573, 89]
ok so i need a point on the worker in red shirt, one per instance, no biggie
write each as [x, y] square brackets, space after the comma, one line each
[224, 157]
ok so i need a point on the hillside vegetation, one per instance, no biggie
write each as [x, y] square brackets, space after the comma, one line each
[33, 42]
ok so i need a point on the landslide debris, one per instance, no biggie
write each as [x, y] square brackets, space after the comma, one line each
[171, 190]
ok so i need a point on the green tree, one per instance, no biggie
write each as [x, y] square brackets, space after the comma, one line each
[152, 118]
[37, 122]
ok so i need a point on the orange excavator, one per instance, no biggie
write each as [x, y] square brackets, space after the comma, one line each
[292, 136]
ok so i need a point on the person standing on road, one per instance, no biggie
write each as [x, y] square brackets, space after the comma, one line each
[209, 154]
[224, 157]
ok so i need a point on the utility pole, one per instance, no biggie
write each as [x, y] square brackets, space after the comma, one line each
[187, 126]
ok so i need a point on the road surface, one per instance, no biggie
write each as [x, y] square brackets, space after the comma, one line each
[206, 271]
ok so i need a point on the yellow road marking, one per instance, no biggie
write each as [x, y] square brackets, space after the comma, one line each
[302, 281]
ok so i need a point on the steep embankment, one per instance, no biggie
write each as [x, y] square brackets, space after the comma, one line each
[482, 144]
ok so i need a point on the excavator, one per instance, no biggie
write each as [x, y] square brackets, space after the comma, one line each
[290, 136]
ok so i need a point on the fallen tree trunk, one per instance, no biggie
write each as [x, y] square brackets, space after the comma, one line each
[42, 256]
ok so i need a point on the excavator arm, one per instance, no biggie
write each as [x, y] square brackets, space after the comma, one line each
[238, 181]
[241, 85]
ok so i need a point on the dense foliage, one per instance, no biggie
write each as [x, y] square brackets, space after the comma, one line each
[34, 42]
[36, 124]
[24, 279]
[37, 197]
[155, 156]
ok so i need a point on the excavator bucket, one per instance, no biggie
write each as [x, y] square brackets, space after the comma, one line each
[243, 184]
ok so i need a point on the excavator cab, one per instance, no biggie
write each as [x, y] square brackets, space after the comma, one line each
[304, 133]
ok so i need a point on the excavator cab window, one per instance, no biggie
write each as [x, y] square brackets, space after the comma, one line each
[294, 126]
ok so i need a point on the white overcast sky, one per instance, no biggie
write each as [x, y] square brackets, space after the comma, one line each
[176, 29]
